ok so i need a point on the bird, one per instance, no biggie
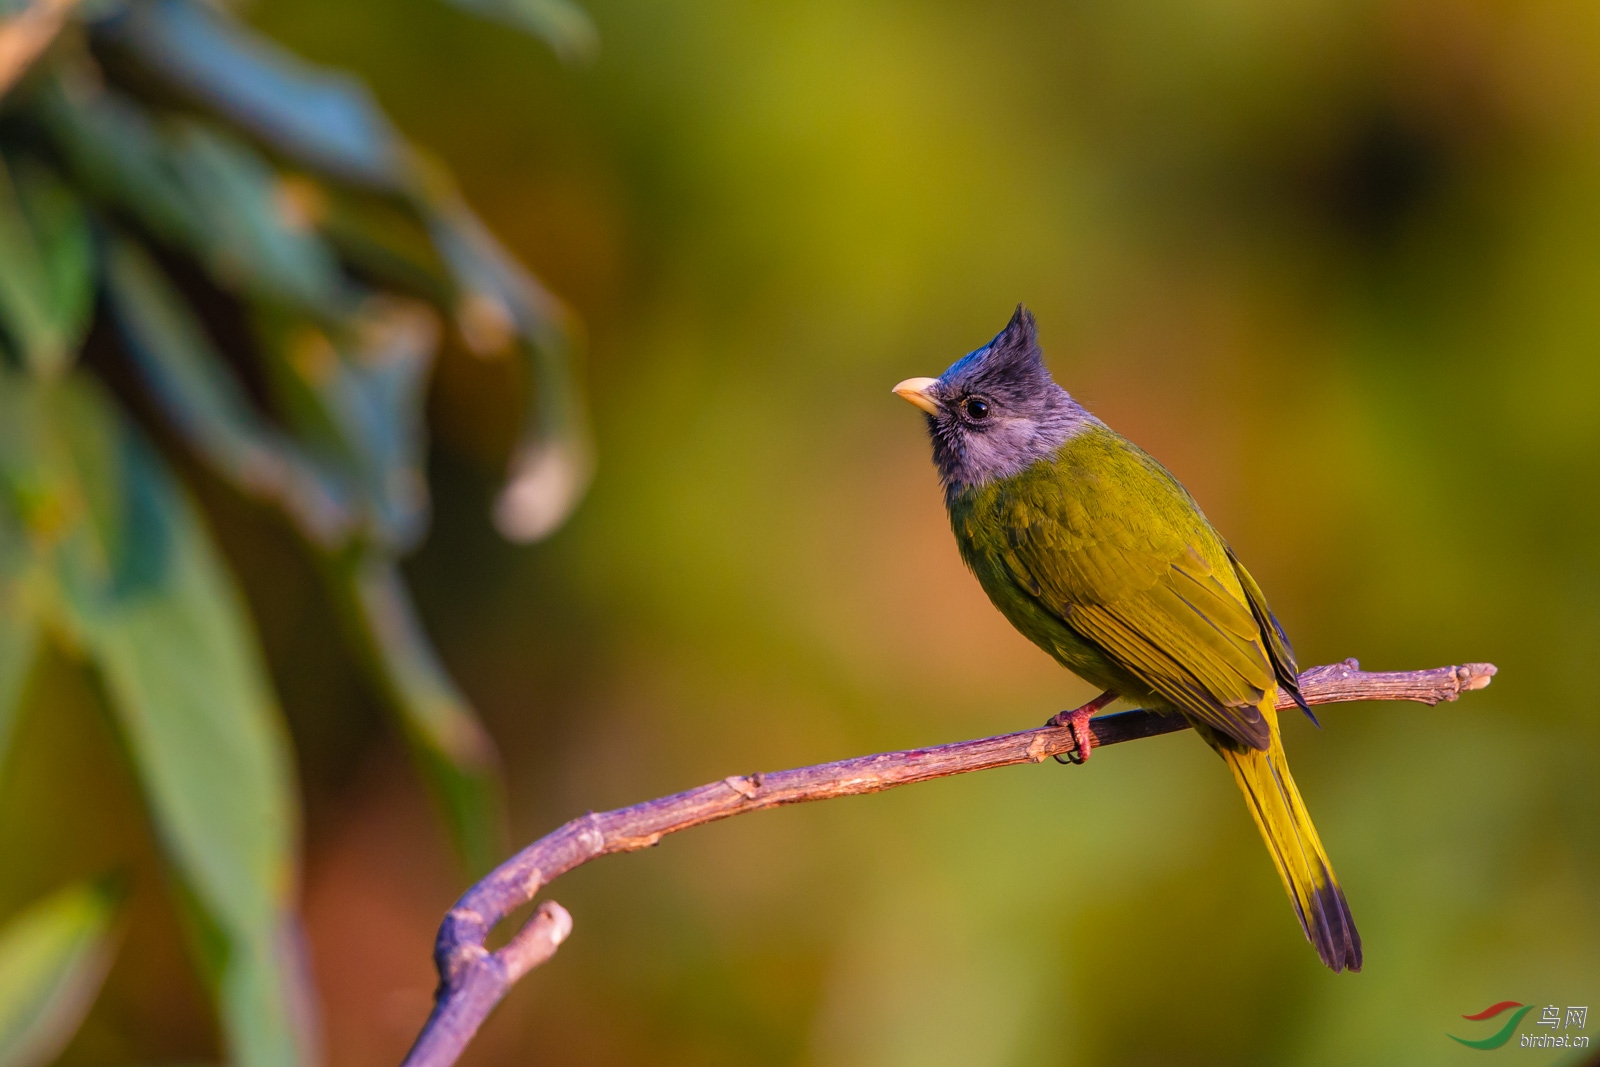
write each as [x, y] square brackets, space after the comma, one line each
[1099, 555]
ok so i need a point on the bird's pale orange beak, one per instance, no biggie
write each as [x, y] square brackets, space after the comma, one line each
[916, 391]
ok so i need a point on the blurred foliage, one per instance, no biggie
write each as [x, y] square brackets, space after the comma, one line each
[161, 164]
[1335, 264]
[52, 958]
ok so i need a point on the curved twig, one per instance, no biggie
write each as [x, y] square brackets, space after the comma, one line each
[472, 979]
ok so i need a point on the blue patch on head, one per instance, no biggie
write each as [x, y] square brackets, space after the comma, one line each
[970, 361]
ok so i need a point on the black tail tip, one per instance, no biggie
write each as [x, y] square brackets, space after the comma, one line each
[1333, 931]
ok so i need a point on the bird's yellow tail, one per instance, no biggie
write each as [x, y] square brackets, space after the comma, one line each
[1285, 825]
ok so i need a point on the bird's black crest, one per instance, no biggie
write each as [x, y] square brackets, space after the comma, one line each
[1015, 349]
[1021, 333]
[1011, 365]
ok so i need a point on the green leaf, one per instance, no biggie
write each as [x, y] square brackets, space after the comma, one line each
[248, 240]
[53, 957]
[183, 675]
[327, 121]
[115, 152]
[142, 590]
[380, 239]
[203, 401]
[47, 515]
[182, 672]
[354, 398]
[447, 741]
[377, 401]
[561, 24]
[199, 189]
[252, 230]
[365, 405]
[357, 406]
[501, 306]
[45, 280]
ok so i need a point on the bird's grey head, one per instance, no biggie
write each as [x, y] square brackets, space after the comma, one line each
[996, 411]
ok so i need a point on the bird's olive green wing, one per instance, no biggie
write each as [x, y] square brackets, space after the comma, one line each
[1110, 543]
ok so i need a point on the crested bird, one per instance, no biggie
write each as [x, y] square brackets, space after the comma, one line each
[1098, 555]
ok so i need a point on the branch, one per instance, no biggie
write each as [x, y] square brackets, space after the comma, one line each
[472, 979]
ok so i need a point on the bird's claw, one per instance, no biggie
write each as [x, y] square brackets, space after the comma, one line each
[1082, 737]
[1077, 721]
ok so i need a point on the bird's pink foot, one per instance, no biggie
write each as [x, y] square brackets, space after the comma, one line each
[1077, 721]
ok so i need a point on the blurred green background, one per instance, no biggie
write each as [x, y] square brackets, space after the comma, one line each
[1337, 265]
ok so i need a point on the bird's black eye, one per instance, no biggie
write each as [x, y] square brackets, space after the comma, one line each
[977, 408]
